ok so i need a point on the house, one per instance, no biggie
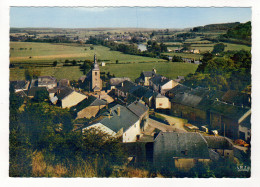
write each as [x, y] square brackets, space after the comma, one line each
[34, 90]
[145, 76]
[118, 121]
[162, 84]
[148, 98]
[113, 82]
[192, 107]
[161, 102]
[47, 81]
[221, 145]
[141, 111]
[179, 150]
[124, 88]
[180, 88]
[67, 97]
[229, 119]
[88, 107]
[64, 83]
[19, 86]
[237, 98]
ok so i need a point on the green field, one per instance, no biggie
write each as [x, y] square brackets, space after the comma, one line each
[46, 52]
[171, 70]
[168, 69]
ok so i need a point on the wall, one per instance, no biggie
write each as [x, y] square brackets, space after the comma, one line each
[130, 134]
[72, 99]
[162, 103]
[246, 131]
[169, 85]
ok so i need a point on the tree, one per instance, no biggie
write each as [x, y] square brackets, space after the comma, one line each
[54, 63]
[41, 95]
[218, 48]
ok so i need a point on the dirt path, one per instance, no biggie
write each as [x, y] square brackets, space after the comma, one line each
[175, 122]
[163, 127]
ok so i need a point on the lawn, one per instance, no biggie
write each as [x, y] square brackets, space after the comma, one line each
[168, 69]
[46, 52]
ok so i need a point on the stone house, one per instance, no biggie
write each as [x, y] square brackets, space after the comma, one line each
[47, 81]
[179, 150]
[144, 78]
[118, 121]
[245, 129]
[67, 97]
[113, 82]
[124, 88]
[88, 107]
[162, 84]
[20, 85]
[141, 111]
[221, 145]
[227, 119]
[161, 102]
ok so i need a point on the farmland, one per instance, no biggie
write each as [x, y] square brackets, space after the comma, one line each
[168, 69]
[47, 52]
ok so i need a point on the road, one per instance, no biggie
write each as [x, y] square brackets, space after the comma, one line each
[175, 122]
[152, 124]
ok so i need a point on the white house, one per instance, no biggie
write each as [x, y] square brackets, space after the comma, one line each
[119, 121]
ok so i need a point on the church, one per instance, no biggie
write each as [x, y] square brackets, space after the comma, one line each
[93, 77]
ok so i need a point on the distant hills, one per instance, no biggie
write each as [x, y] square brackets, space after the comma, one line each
[215, 27]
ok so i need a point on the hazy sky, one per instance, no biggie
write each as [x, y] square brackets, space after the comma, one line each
[138, 17]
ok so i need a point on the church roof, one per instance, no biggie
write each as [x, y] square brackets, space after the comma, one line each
[96, 66]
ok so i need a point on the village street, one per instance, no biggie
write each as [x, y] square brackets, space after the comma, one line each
[177, 123]
[161, 126]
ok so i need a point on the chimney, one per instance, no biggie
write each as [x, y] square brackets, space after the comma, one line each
[118, 111]
[122, 84]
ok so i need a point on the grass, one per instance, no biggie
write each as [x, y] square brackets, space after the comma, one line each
[68, 72]
[46, 52]
[168, 69]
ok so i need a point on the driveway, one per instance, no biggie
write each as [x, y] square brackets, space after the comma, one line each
[177, 123]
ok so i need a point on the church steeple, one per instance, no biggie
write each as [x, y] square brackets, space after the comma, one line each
[96, 66]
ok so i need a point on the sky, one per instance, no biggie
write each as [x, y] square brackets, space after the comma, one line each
[124, 17]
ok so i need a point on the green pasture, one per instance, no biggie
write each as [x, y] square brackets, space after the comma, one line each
[168, 69]
[46, 52]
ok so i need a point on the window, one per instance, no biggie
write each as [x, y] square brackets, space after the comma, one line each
[96, 73]
[160, 104]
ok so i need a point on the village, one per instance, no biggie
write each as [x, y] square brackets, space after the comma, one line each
[157, 119]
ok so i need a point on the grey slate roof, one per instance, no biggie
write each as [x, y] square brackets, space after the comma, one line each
[138, 108]
[33, 90]
[115, 123]
[181, 145]
[116, 81]
[179, 89]
[218, 142]
[19, 84]
[90, 101]
[148, 73]
[187, 99]
[127, 85]
[64, 92]
[159, 80]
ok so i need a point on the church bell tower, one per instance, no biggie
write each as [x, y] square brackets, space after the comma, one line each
[96, 81]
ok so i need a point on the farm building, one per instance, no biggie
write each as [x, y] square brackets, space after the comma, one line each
[47, 81]
[113, 82]
[67, 97]
[179, 150]
[145, 76]
[162, 84]
[88, 107]
[19, 86]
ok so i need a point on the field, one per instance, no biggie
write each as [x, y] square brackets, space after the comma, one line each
[168, 69]
[46, 52]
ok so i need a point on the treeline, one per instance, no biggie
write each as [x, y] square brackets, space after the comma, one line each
[42, 144]
[154, 49]
[233, 71]
[215, 27]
